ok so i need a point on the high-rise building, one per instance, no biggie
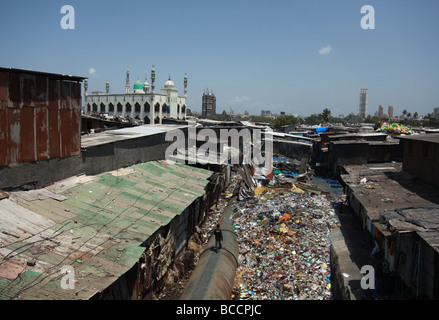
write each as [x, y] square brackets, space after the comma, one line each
[380, 111]
[390, 111]
[363, 103]
[208, 104]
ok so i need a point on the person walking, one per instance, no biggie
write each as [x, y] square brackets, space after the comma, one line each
[218, 237]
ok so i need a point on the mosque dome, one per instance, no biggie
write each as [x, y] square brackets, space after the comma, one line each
[138, 85]
[169, 83]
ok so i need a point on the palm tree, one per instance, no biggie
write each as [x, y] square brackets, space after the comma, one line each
[326, 114]
[404, 112]
[415, 115]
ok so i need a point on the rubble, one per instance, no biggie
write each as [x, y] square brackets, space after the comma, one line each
[283, 237]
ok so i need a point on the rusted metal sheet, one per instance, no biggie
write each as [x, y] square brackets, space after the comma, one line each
[3, 195]
[42, 92]
[65, 131]
[76, 95]
[3, 137]
[55, 137]
[69, 130]
[14, 87]
[13, 135]
[27, 134]
[28, 93]
[65, 95]
[3, 86]
[53, 94]
[40, 116]
[42, 133]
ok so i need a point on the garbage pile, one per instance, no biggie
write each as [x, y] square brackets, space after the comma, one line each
[395, 127]
[283, 237]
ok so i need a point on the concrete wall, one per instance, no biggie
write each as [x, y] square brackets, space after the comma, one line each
[32, 175]
[111, 156]
[292, 149]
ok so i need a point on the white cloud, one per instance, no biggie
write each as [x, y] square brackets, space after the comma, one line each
[239, 99]
[92, 71]
[325, 50]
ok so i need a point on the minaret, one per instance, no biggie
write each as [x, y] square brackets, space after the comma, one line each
[107, 87]
[185, 85]
[153, 80]
[145, 84]
[127, 81]
[86, 87]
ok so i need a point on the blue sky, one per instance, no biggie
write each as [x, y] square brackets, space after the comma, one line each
[282, 55]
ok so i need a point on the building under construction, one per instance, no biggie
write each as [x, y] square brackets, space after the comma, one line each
[209, 104]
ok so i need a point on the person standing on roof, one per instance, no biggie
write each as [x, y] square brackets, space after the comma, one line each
[218, 237]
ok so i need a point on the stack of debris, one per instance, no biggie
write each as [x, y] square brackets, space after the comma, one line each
[284, 246]
[283, 231]
[284, 172]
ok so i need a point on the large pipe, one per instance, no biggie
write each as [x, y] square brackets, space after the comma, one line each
[214, 274]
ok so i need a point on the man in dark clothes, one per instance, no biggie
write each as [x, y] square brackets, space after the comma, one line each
[218, 237]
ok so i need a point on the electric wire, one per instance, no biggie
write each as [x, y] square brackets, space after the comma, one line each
[50, 274]
[118, 180]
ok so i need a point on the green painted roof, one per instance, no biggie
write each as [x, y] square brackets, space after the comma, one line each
[97, 225]
[138, 85]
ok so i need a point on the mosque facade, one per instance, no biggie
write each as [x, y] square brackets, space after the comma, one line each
[142, 102]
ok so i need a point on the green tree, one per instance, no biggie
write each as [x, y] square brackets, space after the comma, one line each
[284, 121]
[314, 119]
[371, 119]
[261, 119]
[352, 118]
[326, 114]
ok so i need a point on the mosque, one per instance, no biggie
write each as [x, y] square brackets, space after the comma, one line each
[140, 103]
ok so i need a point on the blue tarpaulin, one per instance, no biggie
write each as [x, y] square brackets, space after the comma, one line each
[322, 129]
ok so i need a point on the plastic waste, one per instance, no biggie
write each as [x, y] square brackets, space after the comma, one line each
[284, 245]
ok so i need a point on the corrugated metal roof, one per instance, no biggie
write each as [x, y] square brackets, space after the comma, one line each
[111, 136]
[95, 224]
[431, 137]
[49, 74]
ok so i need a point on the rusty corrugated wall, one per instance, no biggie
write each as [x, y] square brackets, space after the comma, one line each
[40, 116]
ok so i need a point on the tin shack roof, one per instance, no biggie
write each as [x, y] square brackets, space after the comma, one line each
[95, 224]
[47, 74]
[423, 220]
[111, 136]
[431, 137]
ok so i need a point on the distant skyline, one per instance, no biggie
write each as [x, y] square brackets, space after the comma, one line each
[297, 57]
